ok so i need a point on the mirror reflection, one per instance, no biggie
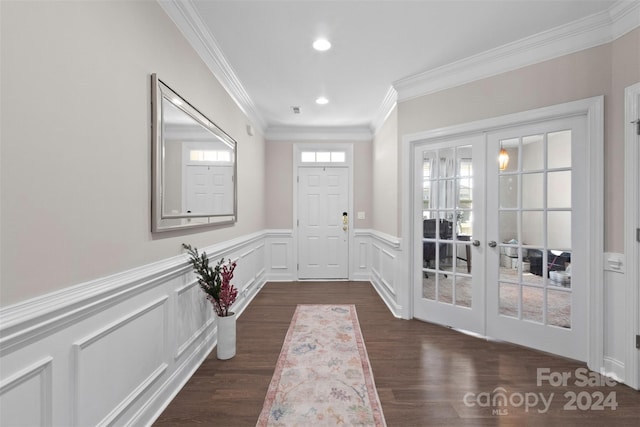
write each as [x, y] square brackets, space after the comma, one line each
[194, 165]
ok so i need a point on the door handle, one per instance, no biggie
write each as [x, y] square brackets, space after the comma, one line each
[493, 244]
[476, 243]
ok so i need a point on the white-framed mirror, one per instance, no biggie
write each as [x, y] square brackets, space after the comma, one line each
[193, 165]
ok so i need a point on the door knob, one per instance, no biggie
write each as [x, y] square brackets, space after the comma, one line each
[476, 243]
[492, 244]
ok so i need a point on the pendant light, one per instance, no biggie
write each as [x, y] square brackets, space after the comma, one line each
[503, 158]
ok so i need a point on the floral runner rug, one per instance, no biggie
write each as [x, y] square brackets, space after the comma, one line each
[323, 376]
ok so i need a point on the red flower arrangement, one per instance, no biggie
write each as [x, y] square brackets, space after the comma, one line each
[214, 281]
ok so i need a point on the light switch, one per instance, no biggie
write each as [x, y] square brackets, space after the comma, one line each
[361, 215]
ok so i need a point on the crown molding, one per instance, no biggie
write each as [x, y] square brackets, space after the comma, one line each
[388, 104]
[591, 31]
[190, 24]
[594, 30]
[328, 133]
[625, 17]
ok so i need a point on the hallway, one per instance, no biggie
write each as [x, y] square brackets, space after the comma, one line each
[425, 374]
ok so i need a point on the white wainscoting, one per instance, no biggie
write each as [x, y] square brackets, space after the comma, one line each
[280, 259]
[115, 351]
[616, 329]
[376, 257]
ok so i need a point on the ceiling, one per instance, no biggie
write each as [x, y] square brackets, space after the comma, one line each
[263, 50]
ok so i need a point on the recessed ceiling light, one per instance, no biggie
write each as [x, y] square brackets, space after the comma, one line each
[321, 45]
[322, 100]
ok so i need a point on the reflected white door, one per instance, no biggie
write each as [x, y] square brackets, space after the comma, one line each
[209, 189]
[538, 234]
[323, 235]
[449, 199]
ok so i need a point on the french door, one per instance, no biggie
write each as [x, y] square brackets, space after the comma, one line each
[537, 282]
[500, 246]
[450, 196]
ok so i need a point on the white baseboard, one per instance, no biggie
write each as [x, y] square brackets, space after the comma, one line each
[613, 369]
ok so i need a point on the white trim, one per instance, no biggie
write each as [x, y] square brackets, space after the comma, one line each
[593, 108]
[389, 240]
[632, 251]
[585, 33]
[328, 133]
[625, 17]
[386, 108]
[41, 369]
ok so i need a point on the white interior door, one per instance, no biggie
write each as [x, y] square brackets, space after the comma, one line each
[449, 197]
[537, 259]
[323, 223]
[527, 281]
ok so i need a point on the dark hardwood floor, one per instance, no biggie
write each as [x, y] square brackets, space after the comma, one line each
[426, 375]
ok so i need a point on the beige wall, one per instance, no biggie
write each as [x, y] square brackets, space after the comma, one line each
[603, 70]
[386, 190]
[279, 172]
[76, 141]
[362, 184]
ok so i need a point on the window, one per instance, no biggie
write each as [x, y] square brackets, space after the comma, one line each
[210, 156]
[323, 157]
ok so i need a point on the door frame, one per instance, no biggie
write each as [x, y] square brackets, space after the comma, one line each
[593, 109]
[298, 148]
[631, 218]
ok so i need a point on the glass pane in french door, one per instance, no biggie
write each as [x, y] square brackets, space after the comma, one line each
[447, 225]
[534, 216]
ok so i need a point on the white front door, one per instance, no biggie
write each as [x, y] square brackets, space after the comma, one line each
[449, 196]
[537, 258]
[323, 223]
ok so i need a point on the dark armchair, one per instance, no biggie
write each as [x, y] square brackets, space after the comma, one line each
[429, 232]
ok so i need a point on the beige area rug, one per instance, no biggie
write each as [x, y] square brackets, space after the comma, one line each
[531, 300]
[323, 376]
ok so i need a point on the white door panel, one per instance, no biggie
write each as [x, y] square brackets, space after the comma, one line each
[323, 244]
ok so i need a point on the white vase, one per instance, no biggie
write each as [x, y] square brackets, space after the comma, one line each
[226, 347]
